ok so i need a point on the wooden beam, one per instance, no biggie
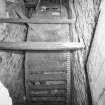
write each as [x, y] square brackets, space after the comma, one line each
[48, 87]
[43, 46]
[48, 103]
[48, 93]
[38, 21]
[48, 77]
[47, 99]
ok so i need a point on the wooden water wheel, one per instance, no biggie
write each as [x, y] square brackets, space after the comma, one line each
[48, 72]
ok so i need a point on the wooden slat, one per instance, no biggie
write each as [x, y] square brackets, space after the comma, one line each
[50, 68]
[39, 85]
[49, 77]
[40, 46]
[38, 21]
[47, 82]
[49, 71]
[48, 99]
[47, 93]
[47, 103]
[47, 87]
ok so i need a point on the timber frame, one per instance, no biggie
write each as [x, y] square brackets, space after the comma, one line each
[40, 45]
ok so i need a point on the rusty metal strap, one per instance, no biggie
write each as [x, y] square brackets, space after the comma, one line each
[43, 46]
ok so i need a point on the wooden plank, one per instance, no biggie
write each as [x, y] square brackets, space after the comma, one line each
[37, 21]
[47, 70]
[48, 77]
[39, 85]
[47, 93]
[48, 99]
[51, 67]
[48, 46]
[49, 87]
[47, 103]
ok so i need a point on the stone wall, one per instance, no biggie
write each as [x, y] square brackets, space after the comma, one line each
[86, 13]
[11, 62]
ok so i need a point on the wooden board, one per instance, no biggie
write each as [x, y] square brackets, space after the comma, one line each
[48, 103]
[48, 99]
[48, 77]
[42, 46]
[37, 21]
[39, 85]
[43, 67]
[48, 93]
